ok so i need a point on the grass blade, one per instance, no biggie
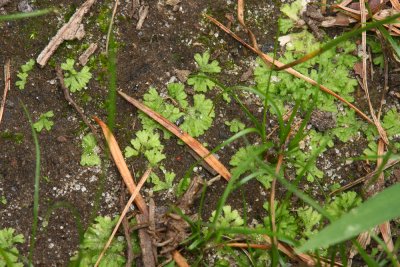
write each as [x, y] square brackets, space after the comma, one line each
[376, 210]
[35, 13]
[36, 185]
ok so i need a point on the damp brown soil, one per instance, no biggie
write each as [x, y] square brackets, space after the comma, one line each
[147, 57]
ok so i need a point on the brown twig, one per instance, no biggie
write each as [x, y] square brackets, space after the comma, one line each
[69, 31]
[124, 212]
[125, 225]
[377, 123]
[111, 24]
[121, 165]
[69, 99]
[269, 60]
[179, 259]
[7, 86]
[389, 164]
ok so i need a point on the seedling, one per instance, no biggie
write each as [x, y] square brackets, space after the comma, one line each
[162, 185]
[200, 82]
[44, 122]
[23, 74]
[75, 80]
[235, 125]
[93, 242]
[147, 143]
[89, 156]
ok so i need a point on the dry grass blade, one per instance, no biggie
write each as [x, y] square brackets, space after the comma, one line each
[111, 24]
[271, 61]
[7, 83]
[389, 164]
[121, 165]
[378, 125]
[190, 141]
[135, 193]
[179, 259]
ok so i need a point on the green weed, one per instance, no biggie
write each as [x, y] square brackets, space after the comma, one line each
[23, 74]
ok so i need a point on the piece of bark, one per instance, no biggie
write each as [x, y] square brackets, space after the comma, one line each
[146, 244]
[73, 29]
[4, 2]
[84, 58]
[143, 11]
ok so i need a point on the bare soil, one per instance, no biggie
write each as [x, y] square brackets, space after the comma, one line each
[148, 57]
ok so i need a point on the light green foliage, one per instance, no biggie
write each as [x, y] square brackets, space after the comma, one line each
[292, 10]
[241, 157]
[380, 208]
[89, 155]
[235, 125]
[177, 92]
[3, 200]
[44, 122]
[309, 219]
[75, 80]
[304, 159]
[8, 240]
[228, 218]
[200, 82]
[285, 221]
[93, 242]
[371, 152]
[285, 25]
[23, 74]
[391, 123]
[154, 101]
[347, 126]
[197, 118]
[342, 204]
[333, 72]
[162, 185]
[149, 144]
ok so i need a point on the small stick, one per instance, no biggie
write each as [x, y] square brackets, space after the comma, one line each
[111, 24]
[124, 212]
[143, 12]
[185, 137]
[179, 259]
[68, 97]
[125, 225]
[84, 58]
[377, 123]
[71, 30]
[7, 87]
[389, 164]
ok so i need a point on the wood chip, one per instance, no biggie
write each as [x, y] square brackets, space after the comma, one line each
[84, 58]
[7, 84]
[143, 12]
[182, 75]
[172, 2]
[73, 29]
